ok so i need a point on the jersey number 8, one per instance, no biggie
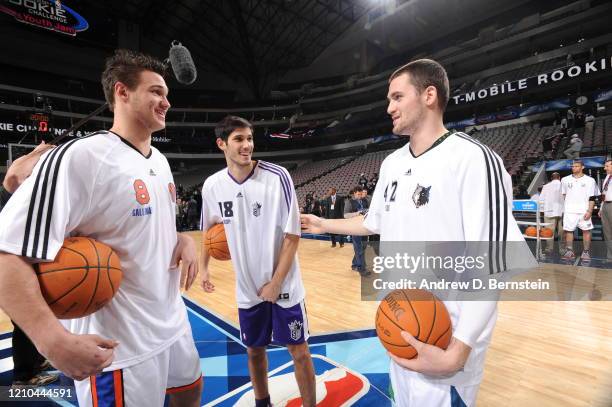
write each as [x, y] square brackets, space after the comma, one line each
[142, 194]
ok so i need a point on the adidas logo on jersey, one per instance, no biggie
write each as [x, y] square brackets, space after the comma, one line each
[239, 195]
[409, 172]
[152, 173]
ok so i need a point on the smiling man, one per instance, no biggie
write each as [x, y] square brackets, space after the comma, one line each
[112, 186]
[441, 186]
[256, 202]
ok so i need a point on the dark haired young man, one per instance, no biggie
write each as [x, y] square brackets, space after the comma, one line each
[112, 186]
[441, 186]
[256, 202]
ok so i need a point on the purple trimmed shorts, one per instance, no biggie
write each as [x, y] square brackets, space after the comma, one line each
[267, 323]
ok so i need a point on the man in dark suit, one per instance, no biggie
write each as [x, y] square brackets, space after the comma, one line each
[357, 206]
[334, 209]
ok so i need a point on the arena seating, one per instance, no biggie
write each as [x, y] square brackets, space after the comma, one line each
[345, 177]
[600, 136]
[314, 169]
[516, 143]
[523, 72]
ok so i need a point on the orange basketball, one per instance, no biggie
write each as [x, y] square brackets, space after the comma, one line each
[531, 231]
[83, 278]
[417, 311]
[546, 232]
[216, 242]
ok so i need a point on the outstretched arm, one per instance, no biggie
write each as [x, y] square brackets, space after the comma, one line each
[352, 226]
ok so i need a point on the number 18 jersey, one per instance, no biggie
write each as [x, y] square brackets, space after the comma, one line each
[256, 213]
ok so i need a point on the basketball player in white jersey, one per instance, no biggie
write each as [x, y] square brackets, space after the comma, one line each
[579, 191]
[256, 202]
[112, 186]
[441, 186]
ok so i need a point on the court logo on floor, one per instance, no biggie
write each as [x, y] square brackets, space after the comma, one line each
[336, 386]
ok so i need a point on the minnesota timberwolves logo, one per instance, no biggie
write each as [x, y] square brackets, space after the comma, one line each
[295, 328]
[420, 197]
[256, 209]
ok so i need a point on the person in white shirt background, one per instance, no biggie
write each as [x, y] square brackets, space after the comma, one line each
[579, 191]
[575, 147]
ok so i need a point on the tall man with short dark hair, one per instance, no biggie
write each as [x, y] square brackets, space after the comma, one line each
[442, 186]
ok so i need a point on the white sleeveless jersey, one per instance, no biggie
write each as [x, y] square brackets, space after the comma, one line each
[577, 192]
[458, 190]
[102, 187]
[256, 213]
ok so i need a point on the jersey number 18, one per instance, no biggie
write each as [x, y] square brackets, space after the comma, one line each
[226, 209]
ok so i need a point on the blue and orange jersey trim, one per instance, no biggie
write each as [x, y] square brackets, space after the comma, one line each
[107, 389]
[189, 386]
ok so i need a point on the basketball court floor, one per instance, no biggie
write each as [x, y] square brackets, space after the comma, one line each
[543, 353]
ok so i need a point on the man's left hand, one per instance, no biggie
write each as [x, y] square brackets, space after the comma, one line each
[269, 292]
[186, 253]
[431, 360]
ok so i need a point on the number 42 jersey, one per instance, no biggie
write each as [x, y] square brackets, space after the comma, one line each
[256, 213]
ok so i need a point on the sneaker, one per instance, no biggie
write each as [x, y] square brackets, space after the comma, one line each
[41, 379]
[46, 365]
[569, 255]
[586, 255]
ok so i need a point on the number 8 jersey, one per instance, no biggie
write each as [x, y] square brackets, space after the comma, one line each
[102, 187]
[256, 213]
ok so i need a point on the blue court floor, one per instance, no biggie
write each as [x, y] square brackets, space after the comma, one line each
[351, 367]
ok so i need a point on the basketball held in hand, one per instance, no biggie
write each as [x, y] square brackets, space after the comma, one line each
[83, 278]
[215, 242]
[418, 312]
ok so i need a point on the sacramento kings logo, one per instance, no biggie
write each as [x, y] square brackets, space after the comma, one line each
[420, 196]
[295, 328]
[256, 209]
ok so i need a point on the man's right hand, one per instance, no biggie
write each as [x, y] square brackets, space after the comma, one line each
[207, 285]
[312, 224]
[79, 356]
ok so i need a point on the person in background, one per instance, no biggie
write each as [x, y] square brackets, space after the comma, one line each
[575, 147]
[333, 207]
[29, 366]
[363, 180]
[579, 191]
[552, 199]
[354, 207]
[606, 208]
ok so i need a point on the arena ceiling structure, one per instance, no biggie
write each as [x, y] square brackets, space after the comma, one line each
[254, 43]
[253, 40]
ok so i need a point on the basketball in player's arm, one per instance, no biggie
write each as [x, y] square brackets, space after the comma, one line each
[430, 359]
[78, 356]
